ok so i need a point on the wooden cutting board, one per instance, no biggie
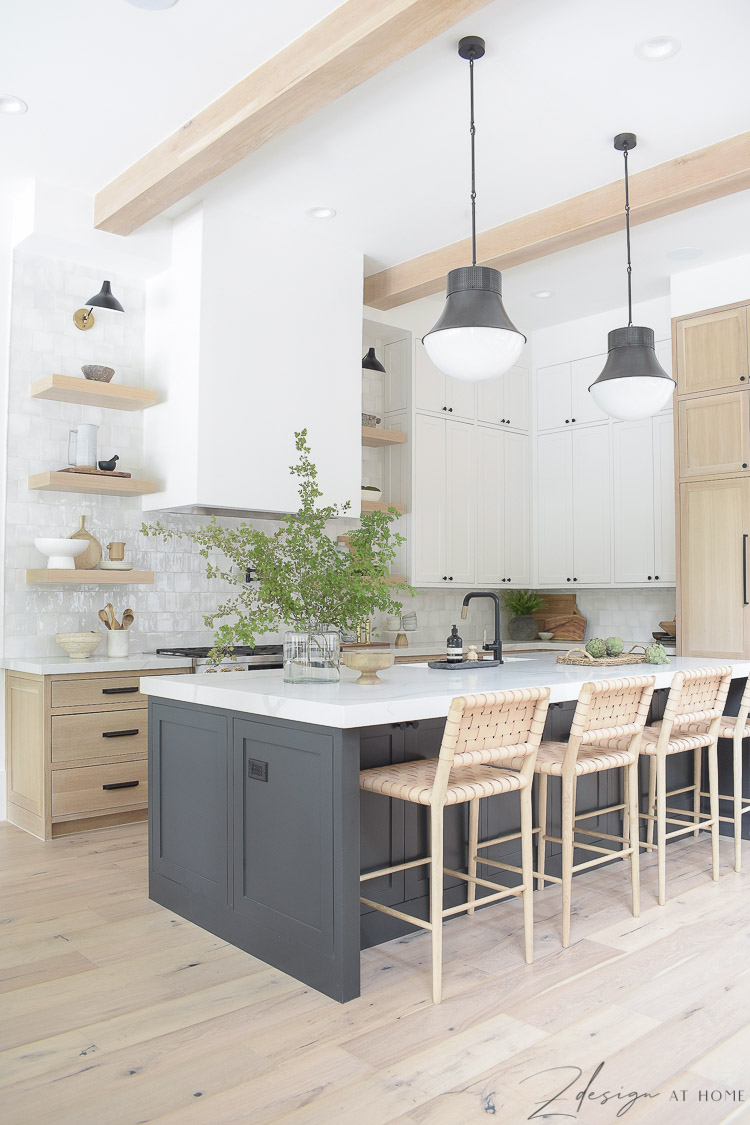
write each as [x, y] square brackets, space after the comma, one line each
[569, 627]
[92, 556]
[556, 605]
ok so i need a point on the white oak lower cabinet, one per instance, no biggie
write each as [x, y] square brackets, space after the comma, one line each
[573, 507]
[76, 750]
[713, 615]
[643, 478]
[503, 508]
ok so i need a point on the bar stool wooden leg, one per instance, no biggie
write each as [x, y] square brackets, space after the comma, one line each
[633, 832]
[713, 797]
[541, 847]
[473, 841]
[626, 775]
[436, 901]
[697, 770]
[661, 824]
[651, 798]
[568, 814]
[527, 874]
[737, 775]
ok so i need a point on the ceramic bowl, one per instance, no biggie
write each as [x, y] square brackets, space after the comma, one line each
[368, 664]
[61, 552]
[79, 646]
[546, 636]
[669, 627]
[371, 493]
[98, 373]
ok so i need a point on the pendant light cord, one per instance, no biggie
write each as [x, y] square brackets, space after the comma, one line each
[627, 239]
[473, 131]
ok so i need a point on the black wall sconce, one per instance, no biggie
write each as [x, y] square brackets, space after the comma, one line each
[104, 299]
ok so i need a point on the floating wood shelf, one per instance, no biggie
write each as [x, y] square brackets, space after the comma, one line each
[381, 506]
[89, 392]
[371, 435]
[82, 482]
[90, 577]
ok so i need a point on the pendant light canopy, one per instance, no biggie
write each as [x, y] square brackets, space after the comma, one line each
[633, 384]
[474, 338]
[370, 362]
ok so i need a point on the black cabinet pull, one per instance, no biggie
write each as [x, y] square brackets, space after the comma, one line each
[744, 570]
[742, 378]
[502, 419]
[575, 579]
[567, 421]
[445, 578]
[445, 408]
[572, 419]
[119, 733]
[568, 580]
[450, 409]
[119, 690]
[451, 578]
[122, 785]
[656, 578]
[744, 464]
[649, 577]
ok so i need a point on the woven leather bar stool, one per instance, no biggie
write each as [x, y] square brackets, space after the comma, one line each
[612, 709]
[696, 699]
[737, 728]
[482, 733]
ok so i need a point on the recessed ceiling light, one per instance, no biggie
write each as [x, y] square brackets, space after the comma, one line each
[657, 48]
[684, 253]
[543, 293]
[153, 5]
[11, 104]
[321, 212]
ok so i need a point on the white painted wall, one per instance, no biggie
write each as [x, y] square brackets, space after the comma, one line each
[587, 336]
[708, 287]
[279, 338]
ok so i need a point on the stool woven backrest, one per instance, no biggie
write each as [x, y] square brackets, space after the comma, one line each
[492, 729]
[609, 709]
[696, 697]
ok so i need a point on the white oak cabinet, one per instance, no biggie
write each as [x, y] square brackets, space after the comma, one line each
[437, 392]
[505, 401]
[643, 486]
[573, 507]
[444, 500]
[503, 508]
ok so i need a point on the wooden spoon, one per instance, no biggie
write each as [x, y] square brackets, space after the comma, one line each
[128, 618]
[103, 617]
[113, 619]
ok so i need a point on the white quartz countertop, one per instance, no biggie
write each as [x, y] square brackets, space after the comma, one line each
[428, 648]
[63, 665]
[408, 691]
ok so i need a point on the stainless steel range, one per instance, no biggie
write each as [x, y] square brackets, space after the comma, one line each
[244, 659]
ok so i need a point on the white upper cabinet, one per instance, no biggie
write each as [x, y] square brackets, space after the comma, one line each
[553, 401]
[573, 508]
[428, 500]
[460, 501]
[583, 372]
[517, 508]
[438, 393]
[644, 501]
[503, 507]
[505, 401]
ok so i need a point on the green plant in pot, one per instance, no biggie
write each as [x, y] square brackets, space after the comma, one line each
[303, 581]
[521, 604]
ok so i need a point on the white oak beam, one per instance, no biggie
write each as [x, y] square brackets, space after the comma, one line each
[686, 181]
[353, 43]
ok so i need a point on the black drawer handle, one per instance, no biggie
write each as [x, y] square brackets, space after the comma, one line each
[118, 690]
[119, 733]
[122, 785]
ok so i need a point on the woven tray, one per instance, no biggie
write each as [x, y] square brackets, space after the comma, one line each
[581, 657]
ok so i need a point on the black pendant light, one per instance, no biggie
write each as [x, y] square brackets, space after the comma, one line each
[474, 338]
[633, 384]
[370, 362]
[104, 299]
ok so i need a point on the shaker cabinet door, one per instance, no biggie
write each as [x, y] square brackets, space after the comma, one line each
[553, 399]
[555, 508]
[664, 500]
[712, 351]
[592, 520]
[491, 489]
[429, 383]
[517, 504]
[634, 521]
[429, 519]
[461, 502]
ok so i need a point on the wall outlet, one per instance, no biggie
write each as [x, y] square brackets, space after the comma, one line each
[257, 771]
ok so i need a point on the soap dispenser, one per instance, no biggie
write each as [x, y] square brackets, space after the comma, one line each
[454, 647]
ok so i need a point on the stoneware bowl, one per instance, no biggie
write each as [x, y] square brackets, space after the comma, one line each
[368, 664]
[546, 636]
[61, 553]
[79, 646]
[371, 493]
[98, 373]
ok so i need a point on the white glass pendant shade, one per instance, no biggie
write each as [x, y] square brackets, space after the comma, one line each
[474, 338]
[633, 384]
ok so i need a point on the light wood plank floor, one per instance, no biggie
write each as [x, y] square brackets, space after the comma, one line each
[114, 1011]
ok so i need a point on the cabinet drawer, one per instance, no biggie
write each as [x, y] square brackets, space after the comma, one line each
[85, 691]
[116, 734]
[86, 789]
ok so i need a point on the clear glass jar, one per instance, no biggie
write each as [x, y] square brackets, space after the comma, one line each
[312, 656]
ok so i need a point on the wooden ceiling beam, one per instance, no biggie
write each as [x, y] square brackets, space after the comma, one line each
[353, 43]
[686, 181]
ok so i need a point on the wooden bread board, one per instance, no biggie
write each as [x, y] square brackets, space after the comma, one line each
[94, 472]
[571, 627]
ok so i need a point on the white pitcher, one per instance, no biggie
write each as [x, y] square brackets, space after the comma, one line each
[84, 437]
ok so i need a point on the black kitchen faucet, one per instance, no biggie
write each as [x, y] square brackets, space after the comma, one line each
[497, 645]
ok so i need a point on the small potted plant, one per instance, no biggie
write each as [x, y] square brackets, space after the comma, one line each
[300, 579]
[521, 604]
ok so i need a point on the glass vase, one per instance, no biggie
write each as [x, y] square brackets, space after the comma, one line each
[312, 656]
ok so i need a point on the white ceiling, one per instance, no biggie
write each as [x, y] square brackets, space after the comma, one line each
[107, 81]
